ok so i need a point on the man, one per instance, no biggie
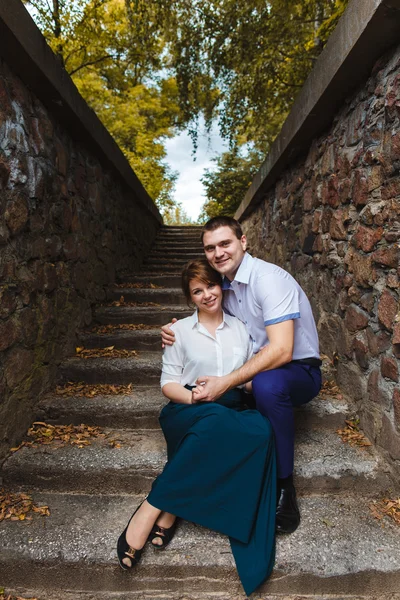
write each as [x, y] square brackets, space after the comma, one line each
[285, 367]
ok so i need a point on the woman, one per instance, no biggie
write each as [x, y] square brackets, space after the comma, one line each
[221, 463]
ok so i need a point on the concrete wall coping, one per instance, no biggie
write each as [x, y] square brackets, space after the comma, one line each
[366, 30]
[25, 50]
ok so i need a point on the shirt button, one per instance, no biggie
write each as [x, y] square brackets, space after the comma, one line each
[239, 300]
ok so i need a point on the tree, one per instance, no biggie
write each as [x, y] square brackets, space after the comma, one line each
[226, 185]
[115, 52]
[151, 67]
[244, 63]
[176, 215]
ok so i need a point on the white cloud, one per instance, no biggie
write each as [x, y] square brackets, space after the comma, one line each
[189, 190]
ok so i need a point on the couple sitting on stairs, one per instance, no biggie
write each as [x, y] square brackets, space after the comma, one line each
[233, 371]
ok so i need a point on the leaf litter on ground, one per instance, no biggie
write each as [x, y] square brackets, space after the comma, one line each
[151, 286]
[105, 329]
[58, 436]
[386, 507]
[86, 390]
[4, 596]
[122, 302]
[329, 389]
[109, 352]
[352, 435]
[16, 507]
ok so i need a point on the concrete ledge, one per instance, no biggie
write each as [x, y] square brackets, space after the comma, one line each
[366, 30]
[24, 48]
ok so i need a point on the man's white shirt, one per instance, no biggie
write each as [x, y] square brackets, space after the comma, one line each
[196, 352]
[264, 294]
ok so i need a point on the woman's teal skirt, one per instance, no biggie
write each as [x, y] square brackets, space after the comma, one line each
[221, 474]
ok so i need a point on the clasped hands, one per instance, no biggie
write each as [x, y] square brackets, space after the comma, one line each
[209, 388]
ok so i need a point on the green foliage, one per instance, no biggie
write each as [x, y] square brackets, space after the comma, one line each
[255, 57]
[114, 50]
[152, 67]
[226, 185]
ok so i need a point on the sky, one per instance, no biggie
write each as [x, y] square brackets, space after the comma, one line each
[188, 189]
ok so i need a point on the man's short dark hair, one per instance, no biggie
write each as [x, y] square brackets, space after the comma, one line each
[222, 221]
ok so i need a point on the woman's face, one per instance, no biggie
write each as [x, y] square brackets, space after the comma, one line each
[206, 296]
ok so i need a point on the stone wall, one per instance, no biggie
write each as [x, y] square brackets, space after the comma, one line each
[333, 220]
[68, 224]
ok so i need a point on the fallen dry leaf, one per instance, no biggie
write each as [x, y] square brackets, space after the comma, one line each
[104, 329]
[44, 434]
[121, 302]
[386, 508]
[109, 352]
[330, 389]
[16, 507]
[86, 390]
[352, 435]
[152, 286]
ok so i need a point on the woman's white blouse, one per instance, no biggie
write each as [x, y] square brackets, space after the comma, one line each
[196, 352]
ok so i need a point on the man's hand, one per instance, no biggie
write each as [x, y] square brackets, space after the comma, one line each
[167, 335]
[210, 388]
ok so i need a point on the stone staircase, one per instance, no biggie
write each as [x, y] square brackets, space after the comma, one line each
[339, 549]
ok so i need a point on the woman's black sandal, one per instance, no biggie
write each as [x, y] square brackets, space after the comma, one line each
[163, 533]
[124, 550]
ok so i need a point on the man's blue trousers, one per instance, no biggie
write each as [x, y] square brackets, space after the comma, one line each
[276, 392]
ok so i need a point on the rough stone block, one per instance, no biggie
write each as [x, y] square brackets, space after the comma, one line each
[387, 309]
[351, 380]
[337, 227]
[396, 333]
[379, 342]
[366, 238]
[361, 267]
[17, 365]
[388, 257]
[360, 189]
[396, 406]
[389, 368]
[389, 438]
[356, 319]
[8, 334]
[376, 392]
[361, 351]
[16, 214]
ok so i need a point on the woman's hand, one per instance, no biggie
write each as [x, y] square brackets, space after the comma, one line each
[196, 393]
[167, 335]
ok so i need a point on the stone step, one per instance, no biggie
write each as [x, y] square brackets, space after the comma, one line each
[189, 238]
[162, 595]
[160, 269]
[167, 261]
[148, 315]
[172, 246]
[178, 228]
[140, 410]
[143, 339]
[322, 463]
[338, 549]
[162, 296]
[142, 369]
[152, 278]
[168, 251]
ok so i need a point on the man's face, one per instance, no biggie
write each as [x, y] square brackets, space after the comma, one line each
[224, 251]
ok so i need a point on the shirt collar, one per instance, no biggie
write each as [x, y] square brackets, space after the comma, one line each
[194, 319]
[243, 272]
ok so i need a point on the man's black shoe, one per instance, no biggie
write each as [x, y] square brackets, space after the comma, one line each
[287, 511]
